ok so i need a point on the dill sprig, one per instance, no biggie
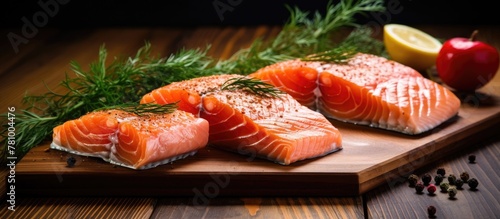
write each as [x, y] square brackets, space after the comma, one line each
[121, 82]
[127, 80]
[359, 40]
[252, 85]
[303, 35]
[143, 109]
[31, 130]
[336, 55]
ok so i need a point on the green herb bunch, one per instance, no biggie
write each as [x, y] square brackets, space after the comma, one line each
[305, 34]
[121, 83]
[125, 81]
[251, 85]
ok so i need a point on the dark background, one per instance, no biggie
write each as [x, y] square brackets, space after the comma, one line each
[114, 13]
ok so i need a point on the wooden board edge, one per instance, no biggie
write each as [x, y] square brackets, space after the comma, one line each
[202, 186]
[428, 154]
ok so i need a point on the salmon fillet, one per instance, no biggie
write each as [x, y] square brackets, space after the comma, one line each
[278, 129]
[129, 140]
[367, 90]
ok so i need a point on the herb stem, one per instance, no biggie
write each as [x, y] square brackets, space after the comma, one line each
[252, 85]
[125, 81]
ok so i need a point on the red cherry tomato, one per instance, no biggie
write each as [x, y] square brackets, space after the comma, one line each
[465, 64]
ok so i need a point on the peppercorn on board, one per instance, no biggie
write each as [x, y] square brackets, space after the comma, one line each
[370, 157]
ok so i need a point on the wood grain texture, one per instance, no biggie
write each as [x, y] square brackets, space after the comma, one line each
[368, 157]
[88, 207]
[260, 208]
[397, 200]
[46, 57]
[4, 172]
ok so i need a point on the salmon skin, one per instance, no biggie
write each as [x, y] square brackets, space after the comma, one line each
[367, 90]
[278, 129]
[132, 141]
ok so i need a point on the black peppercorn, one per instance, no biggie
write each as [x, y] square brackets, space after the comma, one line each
[451, 179]
[426, 179]
[459, 183]
[438, 179]
[71, 161]
[472, 158]
[464, 176]
[412, 180]
[419, 187]
[473, 183]
[431, 211]
[441, 171]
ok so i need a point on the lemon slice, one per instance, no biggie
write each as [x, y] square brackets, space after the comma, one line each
[410, 46]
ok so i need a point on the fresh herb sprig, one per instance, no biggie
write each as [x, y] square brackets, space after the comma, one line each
[143, 109]
[127, 80]
[336, 55]
[121, 82]
[303, 35]
[31, 130]
[359, 40]
[252, 85]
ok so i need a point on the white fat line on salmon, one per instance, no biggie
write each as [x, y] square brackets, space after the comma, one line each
[317, 92]
[114, 138]
[126, 119]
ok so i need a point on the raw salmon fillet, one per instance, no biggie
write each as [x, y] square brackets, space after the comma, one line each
[368, 90]
[278, 129]
[129, 140]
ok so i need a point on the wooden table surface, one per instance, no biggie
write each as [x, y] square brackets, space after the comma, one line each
[46, 57]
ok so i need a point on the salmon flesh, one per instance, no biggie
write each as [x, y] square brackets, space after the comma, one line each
[366, 90]
[129, 140]
[279, 128]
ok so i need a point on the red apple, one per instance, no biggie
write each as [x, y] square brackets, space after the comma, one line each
[465, 64]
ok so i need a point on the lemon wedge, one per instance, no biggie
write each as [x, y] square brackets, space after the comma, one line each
[410, 46]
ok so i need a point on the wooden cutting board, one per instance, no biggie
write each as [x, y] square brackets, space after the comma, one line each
[370, 157]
